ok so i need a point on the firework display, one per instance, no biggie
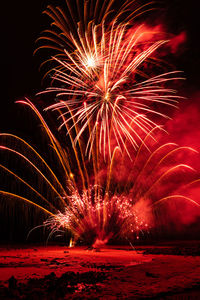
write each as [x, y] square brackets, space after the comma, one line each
[111, 174]
[102, 91]
[96, 201]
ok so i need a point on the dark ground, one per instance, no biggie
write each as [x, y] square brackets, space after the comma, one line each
[165, 271]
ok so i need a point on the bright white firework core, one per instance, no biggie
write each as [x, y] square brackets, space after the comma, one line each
[90, 62]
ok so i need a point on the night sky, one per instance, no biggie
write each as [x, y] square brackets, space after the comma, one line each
[23, 21]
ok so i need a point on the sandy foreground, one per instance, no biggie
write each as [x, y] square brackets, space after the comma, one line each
[56, 272]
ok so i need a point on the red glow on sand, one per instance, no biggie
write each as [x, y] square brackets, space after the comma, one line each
[58, 272]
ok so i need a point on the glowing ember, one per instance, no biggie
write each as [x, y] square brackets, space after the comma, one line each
[71, 243]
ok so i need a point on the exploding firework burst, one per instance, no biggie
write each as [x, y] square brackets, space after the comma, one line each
[78, 17]
[101, 220]
[108, 89]
[105, 204]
